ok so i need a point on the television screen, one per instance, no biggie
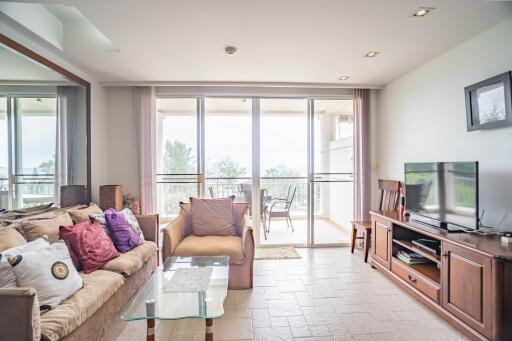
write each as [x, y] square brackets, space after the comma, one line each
[445, 191]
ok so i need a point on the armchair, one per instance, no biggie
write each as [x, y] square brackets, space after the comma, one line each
[178, 240]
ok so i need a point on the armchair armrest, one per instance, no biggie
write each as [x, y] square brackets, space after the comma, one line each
[19, 316]
[174, 233]
[149, 226]
[247, 240]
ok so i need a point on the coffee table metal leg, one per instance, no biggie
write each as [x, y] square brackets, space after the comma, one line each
[208, 336]
[151, 330]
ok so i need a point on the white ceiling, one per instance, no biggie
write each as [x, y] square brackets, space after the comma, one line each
[299, 41]
[17, 67]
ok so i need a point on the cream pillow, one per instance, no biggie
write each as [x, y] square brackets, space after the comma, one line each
[36, 227]
[49, 271]
[213, 217]
[81, 214]
[7, 278]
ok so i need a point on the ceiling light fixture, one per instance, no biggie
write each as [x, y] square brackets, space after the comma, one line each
[343, 78]
[420, 12]
[230, 50]
[371, 54]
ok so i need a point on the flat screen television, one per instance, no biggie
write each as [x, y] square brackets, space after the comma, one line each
[443, 194]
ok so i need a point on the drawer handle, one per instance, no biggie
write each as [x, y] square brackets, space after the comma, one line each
[445, 254]
[412, 279]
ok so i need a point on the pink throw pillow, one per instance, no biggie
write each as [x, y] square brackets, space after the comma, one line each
[90, 243]
[213, 217]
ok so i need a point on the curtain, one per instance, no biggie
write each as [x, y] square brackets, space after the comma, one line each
[362, 174]
[66, 117]
[144, 106]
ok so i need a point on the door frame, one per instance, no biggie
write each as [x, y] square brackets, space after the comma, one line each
[256, 155]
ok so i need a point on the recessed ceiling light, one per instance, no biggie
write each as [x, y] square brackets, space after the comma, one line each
[372, 54]
[420, 12]
[230, 50]
[343, 78]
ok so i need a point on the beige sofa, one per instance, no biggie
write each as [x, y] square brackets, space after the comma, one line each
[178, 240]
[86, 314]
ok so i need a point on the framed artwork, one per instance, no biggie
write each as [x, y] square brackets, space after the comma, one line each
[489, 103]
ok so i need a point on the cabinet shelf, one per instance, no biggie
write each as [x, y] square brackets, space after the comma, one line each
[429, 270]
[410, 246]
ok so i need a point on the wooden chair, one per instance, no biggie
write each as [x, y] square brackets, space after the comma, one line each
[389, 198]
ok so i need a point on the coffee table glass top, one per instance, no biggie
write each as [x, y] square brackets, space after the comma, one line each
[184, 287]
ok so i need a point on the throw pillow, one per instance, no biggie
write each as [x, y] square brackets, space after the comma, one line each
[213, 217]
[49, 271]
[90, 243]
[10, 238]
[64, 235]
[7, 278]
[82, 213]
[34, 228]
[124, 235]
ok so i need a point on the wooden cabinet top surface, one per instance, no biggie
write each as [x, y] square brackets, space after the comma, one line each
[489, 245]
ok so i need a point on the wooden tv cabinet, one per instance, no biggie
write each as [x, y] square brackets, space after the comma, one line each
[469, 283]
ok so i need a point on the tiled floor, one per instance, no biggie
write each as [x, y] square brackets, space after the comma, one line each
[325, 232]
[327, 295]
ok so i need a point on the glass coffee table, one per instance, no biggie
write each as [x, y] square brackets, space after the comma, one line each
[184, 287]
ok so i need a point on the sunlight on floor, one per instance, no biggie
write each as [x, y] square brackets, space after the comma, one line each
[326, 232]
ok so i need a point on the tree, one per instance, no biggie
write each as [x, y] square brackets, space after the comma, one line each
[46, 167]
[178, 158]
[281, 171]
[227, 168]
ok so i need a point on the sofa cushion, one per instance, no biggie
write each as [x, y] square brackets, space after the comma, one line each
[213, 217]
[99, 286]
[80, 214]
[90, 243]
[10, 238]
[50, 271]
[131, 261]
[124, 229]
[36, 227]
[212, 246]
[7, 278]
[240, 210]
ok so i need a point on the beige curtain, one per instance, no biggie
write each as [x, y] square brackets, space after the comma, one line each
[144, 105]
[66, 117]
[362, 161]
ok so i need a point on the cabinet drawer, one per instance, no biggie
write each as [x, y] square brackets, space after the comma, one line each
[415, 280]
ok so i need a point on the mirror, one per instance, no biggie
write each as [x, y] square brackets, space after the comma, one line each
[44, 122]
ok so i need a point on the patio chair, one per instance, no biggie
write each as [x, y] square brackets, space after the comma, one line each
[280, 208]
[212, 192]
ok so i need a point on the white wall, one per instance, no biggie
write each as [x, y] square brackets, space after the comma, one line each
[123, 164]
[98, 105]
[421, 117]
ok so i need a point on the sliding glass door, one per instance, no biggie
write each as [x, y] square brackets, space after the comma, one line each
[290, 158]
[227, 147]
[331, 171]
[27, 162]
[283, 171]
[178, 175]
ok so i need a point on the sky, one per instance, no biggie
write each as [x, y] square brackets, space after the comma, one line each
[38, 136]
[283, 142]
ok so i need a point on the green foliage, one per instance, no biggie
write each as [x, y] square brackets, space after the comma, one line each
[226, 168]
[46, 167]
[280, 171]
[178, 158]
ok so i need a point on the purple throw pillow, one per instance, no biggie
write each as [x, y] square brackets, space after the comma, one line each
[123, 235]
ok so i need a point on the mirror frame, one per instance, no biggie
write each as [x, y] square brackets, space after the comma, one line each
[71, 76]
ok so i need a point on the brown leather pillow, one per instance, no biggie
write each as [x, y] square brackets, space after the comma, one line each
[36, 227]
[10, 238]
[213, 217]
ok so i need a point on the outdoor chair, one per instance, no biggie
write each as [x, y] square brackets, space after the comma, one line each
[280, 208]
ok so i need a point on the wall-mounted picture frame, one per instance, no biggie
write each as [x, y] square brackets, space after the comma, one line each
[489, 103]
